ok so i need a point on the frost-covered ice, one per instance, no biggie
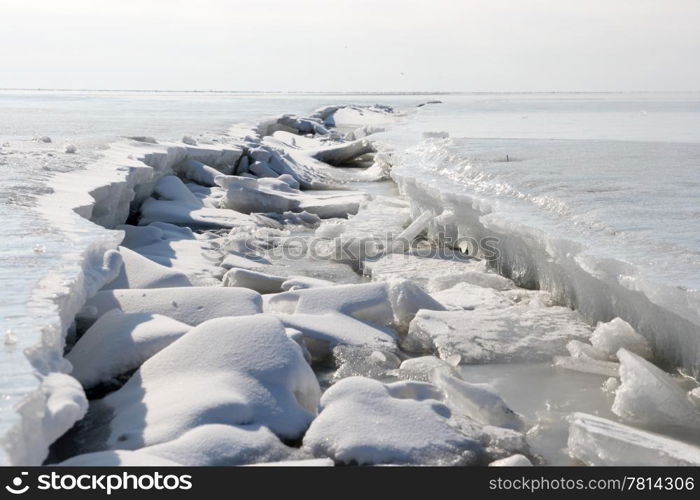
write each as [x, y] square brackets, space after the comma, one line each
[366, 422]
[617, 334]
[514, 333]
[598, 441]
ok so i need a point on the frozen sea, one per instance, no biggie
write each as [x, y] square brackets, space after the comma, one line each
[606, 185]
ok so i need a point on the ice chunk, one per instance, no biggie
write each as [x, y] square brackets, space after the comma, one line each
[369, 302]
[579, 349]
[515, 333]
[260, 282]
[362, 422]
[407, 299]
[117, 458]
[181, 214]
[189, 140]
[323, 332]
[70, 149]
[171, 188]
[649, 396]
[223, 445]
[364, 362]
[479, 402]
[302, 282]
[119, 342]
[597, 441]
[500, 442]
[424, 368]
[616, 334]
[198, 172]
[611, 385]
[139, 272]
[191, 305]
[512, 461]
[588, 365]
[694, 396]
[233, 371]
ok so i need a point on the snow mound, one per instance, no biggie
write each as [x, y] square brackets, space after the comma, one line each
[515, 333]
[649, 396]
[223, 445]
[118, 343]
[366, 422]
[139, 272]
[597, 441]
[191, 305]
[237, 371]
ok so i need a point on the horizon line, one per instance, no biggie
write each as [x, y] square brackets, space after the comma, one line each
[350, 92]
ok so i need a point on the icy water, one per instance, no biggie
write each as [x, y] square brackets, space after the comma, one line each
[604, 186]
[595, 197]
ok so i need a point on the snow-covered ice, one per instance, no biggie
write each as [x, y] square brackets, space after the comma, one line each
[366, 422]
[190, 305]
[235, 371]
[120, 342]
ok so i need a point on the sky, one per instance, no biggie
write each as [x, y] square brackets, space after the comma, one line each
[359, 45]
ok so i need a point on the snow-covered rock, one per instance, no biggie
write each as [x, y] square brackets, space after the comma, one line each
[119, 342]
[649, 396]
[617, 334]
[366, 422]
[236, 371]
[191, 305]
[597, 441]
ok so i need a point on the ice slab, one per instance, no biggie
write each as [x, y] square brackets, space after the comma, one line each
[366, 422]
[323, 332]
[598, 441]
[119, 342]
[424, 368]
[190, 305]
[649, 396]
[260, 282]
[515, 333]
[587, 365]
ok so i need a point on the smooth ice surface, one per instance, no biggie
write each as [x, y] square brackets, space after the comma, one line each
[119, 342]
[366, 422]
[191, 305]
[514, 333]
[235, 371]
[598, 441]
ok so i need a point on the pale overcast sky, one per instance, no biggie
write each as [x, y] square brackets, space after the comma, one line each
[339, 45]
